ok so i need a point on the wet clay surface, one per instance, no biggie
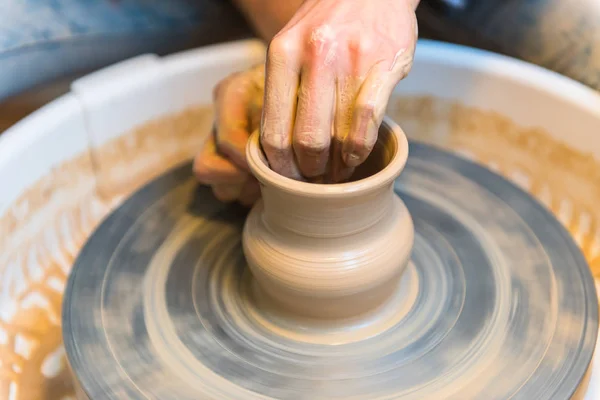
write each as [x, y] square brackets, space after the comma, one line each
[331, 251]
[506, 305]
[33, 365]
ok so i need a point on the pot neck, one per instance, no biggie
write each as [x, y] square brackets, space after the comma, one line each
[325, 216]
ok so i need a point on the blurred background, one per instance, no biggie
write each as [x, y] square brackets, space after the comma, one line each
[45, 44]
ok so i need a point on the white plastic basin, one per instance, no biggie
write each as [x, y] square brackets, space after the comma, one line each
[66, 166]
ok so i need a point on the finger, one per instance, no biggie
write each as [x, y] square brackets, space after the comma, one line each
[211, 168]
[370, 107]
[232, 104]
[250, 192]
[314, 115]
[346, 92]
[281, 89]
[227, 193]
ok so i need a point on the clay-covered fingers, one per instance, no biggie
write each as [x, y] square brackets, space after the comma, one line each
[235, 105]
[374, 94]
[279, 110]
[314, 114]
[370, 106]
[212, 168]
[221, 163]
[346, 91]
[328, 81]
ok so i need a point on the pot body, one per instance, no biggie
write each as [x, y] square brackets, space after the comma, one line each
[329, 271]
[331, 251]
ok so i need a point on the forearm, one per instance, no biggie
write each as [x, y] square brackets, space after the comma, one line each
[268, 16]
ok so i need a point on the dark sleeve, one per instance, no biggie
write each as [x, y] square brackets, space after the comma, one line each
[41, 41]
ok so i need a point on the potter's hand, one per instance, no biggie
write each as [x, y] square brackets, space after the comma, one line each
[222, 161]
[329, 75]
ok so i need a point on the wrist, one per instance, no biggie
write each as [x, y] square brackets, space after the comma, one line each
[268, 17]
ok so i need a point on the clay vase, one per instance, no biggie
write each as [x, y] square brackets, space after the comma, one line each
[330, 250]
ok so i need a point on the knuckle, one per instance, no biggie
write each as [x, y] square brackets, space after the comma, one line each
[308, 143]
[319, 40]
[366, 46]
[281, 47]
[313, 49]
[359, 144]
[272, 142]
[360, 46]
[267, 140]
[367, 111]
[365, 145]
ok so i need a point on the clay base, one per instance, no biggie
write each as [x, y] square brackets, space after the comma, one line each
[288, 321]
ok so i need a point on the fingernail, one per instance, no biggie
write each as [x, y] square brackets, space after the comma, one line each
[352, 159]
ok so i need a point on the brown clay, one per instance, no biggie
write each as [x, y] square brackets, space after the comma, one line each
[336, 250]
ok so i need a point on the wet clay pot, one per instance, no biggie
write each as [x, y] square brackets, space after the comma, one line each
[330, 250]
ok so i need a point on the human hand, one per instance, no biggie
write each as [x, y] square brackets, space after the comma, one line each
[329, 75]
[222, 161]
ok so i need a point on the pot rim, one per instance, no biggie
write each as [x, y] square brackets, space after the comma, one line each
[266, 176]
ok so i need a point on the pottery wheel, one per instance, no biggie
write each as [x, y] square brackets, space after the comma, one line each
[496, 303]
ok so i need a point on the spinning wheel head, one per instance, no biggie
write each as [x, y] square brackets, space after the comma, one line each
[496, 301]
